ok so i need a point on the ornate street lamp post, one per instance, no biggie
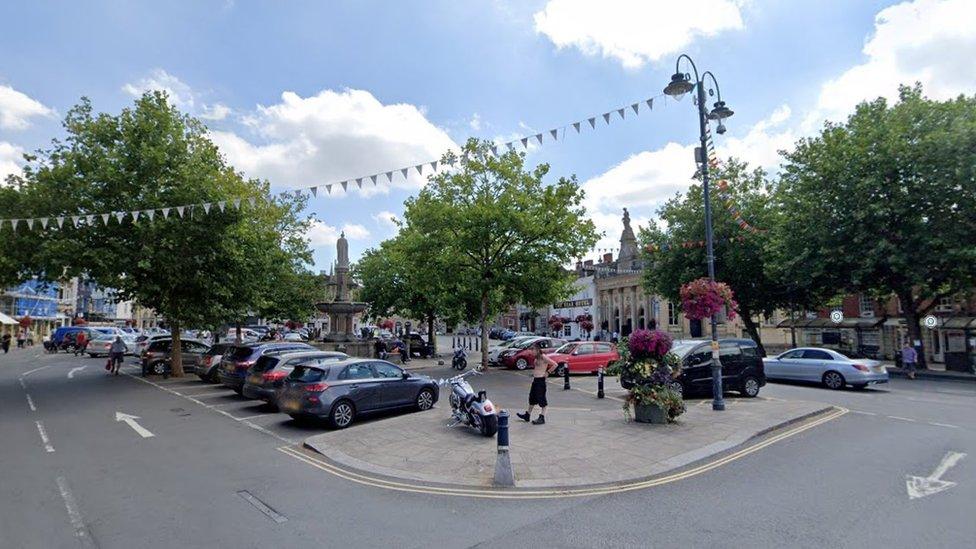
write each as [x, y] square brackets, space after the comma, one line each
[681, 84]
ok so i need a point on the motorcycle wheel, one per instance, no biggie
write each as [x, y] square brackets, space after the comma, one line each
[489, 425]
[461, 364]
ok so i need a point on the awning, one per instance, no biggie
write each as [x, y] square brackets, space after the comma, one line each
[4, 319]
[861, 323]
[958, 322]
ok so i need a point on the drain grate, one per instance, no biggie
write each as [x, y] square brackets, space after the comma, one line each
[262, 506]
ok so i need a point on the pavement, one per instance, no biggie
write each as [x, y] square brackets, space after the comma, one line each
[585, 442]
[221, 471]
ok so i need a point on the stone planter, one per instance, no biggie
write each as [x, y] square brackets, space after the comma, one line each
[650, 413]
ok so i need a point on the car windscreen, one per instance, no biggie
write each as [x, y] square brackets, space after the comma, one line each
[566, 349]
[218, 349]
[265, 363]
[682, 349]
[162, 345]
[524, 344]
[307, 374]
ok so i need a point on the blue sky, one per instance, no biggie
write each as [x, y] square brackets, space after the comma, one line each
[304, 93]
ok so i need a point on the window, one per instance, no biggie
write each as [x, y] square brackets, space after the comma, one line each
[306, 375]
[945, 305]
[866, 305]
[697, 358]
[602, 348]
[815, 354]
[265, 364]
[387, 371]
[357, 371]
[729, 350]
[567, 330]
[792, 354]
[584, 350]
[672, 314]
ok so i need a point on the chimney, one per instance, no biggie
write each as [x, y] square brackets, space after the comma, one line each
[608, 258]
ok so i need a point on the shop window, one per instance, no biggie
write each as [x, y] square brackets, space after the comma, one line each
[672, 314]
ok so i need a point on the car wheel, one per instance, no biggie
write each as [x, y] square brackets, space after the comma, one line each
[157, 368]
[93, 355]
[342, 414]
[521, 364]
[750, 387]
[560, 370]
[425, 400]
[677, 387]
[833, 380]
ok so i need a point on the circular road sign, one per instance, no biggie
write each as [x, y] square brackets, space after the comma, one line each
[930, 321]
[836, 317]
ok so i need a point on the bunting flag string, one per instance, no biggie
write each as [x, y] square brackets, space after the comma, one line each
[431, 167]
[690, 244]
[722, 189]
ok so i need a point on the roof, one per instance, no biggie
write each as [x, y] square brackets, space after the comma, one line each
[4, 319]
[311, 354]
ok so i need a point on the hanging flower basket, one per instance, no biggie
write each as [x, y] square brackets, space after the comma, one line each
[26, 321]
[703, 298]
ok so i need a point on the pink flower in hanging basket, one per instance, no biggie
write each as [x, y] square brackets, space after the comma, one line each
[648, 344]
[703, 298]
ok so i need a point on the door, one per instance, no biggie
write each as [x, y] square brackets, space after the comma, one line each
[604, 355]
[391, 389]
[784, 367]
[697, 369]
[360, 384]
[730, 355]
[582, 358]
[695, 325]
[813, 364]
[192, 353]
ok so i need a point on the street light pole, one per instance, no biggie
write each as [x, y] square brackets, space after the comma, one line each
[680, 84]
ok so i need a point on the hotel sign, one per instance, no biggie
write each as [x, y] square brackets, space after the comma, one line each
[572, 304]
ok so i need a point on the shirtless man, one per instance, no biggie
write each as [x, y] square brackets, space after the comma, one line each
[537, 393]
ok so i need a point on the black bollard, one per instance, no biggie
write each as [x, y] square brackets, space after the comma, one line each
[504, 474]
[565, 377]
[503, 431]
[599, 383]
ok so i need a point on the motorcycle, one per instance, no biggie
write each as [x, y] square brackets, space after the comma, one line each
[470, 408]
[460, 360]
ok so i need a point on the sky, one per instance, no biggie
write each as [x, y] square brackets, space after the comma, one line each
[307, 93]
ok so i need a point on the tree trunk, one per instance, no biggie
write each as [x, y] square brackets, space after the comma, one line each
[484, 331]
[431, 336]
[238, 331]
[753, 329]
[176, 360]
[907, 302]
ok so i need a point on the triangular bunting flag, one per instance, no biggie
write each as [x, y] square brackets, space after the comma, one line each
[621, 113]
[510, 145]
[237, 203]
[119, 216]
[606, 117]
[494, 150]
[251, 201]
[345, 185]
[74, 220]
[151, 214]
[105, 219]
[43, 222]
[179, 210]
[576, 126]
[650, 104]
[389, 176]
[420, 169]
[525, 142]
[165, 213]
[13, 223]
[314, 190]
[538, 136]
[592, 122]
[60, 221]
[373, 179]
[359, 182]
[222, 204]
[553, 133]
[404, 171]
[206, 207]
[635, 106]
[30, 223]
[135, 217]
[433, 166]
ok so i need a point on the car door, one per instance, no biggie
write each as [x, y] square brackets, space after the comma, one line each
[359, 382]
[391, 389]
[582, 358]
[192, 353]
[815, 363]
[696, 370]
[730, 355]
[785, 366]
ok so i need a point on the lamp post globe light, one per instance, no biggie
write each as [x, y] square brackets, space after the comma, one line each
[681, 83]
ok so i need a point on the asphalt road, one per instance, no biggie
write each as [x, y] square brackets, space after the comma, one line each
[211, 475]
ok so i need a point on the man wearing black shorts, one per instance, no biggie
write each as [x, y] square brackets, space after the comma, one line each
[537, 393]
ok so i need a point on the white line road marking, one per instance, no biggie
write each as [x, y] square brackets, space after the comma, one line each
[228, 392]
[943, 425]
[263, 507]
[73, 514]
[23, 383]
[30, 402]
[910, 420]
[863, 413]
[250, 424]
[29, 372]
[71, 374]
[254, 417]
[901, 418]
[919, 487]
[44, 439]
[130, 420]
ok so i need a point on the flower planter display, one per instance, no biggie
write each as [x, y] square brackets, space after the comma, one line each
[648, 368]
[650, 413]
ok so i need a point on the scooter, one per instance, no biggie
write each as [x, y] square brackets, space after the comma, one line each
[460, 360]
[471, 409]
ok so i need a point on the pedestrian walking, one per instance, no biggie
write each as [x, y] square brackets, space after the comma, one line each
[615, 338]
[909, 356]
[543, 365]
[117, 353]
[21, 336]
[5, 343]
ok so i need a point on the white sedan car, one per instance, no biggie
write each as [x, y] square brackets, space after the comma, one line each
[831, 368]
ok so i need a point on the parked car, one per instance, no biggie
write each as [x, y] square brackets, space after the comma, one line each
[101, 345]
[584, 357]
[266, 378]
[59, 334]
[742, 368]
[339, 391]
[496, 350]
[209, 364]
[508, 334]
[292, 336]
[240, 357]
[143, 342]
[419, 346]
[157, 357]
[520, 355]
[831, 368]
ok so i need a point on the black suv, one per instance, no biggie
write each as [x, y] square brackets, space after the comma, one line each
[419, 347]
[742, 367]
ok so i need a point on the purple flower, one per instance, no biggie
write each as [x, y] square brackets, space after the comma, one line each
[648, 344]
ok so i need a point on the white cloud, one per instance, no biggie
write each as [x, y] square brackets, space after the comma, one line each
[321, 234]
[217, 111]
[180, 94]
[929, 41]
[16, 109]
[333, 136]
[475, 122]
[635, 32]
[10, 160]
[387, 220]
[761, 144]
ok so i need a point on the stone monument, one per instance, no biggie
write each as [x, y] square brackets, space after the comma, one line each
[341, 310]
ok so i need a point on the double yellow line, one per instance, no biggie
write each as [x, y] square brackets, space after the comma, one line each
[503, 493]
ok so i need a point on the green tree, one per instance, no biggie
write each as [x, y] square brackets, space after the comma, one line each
[192, 266]
[502, 235]
[740, 257]
[886, 202]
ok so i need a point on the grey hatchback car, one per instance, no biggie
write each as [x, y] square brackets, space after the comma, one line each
[341, 390]
[267, 377]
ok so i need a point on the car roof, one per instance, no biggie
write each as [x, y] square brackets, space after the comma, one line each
[740, 340]
[313, 354]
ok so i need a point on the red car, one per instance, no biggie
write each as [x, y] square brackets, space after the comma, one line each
[584, 356]
[520, 356]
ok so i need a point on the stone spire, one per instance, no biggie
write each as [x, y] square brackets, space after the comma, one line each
[628, 244]
[342, 268]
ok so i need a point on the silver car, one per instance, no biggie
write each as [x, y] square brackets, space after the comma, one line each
[831, 368]
[496, 350]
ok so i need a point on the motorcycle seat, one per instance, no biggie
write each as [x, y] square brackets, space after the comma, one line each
[468, 399]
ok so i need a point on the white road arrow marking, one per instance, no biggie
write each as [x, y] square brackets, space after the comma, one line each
[131, 421]
[71, 374]
[919, 487]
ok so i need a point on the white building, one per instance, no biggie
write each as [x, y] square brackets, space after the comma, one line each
[579, 304]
